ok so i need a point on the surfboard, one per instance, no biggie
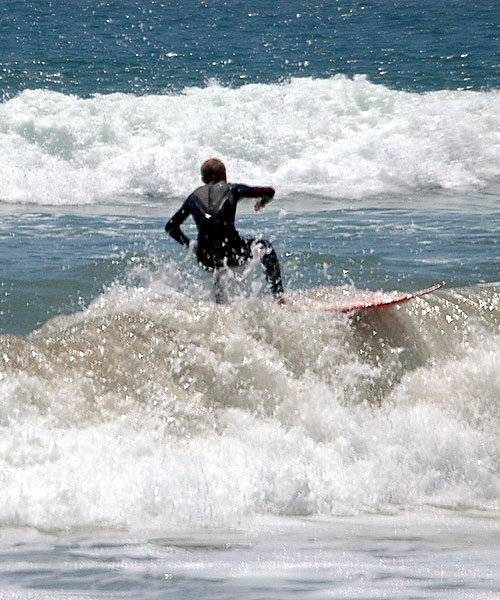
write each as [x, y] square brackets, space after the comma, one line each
[374, 301]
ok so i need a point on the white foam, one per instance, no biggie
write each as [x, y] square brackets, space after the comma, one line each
[147, 410]
[339, 137]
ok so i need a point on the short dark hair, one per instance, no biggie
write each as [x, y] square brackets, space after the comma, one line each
[213, 170]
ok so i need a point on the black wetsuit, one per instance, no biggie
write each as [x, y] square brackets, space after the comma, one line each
[213, 208]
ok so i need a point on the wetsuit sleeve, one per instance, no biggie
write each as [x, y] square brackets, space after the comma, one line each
[246, 191]
[173, 226]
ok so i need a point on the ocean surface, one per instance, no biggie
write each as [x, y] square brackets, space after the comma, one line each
[156, 445]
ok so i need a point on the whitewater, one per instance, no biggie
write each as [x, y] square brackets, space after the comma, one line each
[338, 137]
[316, 415]
[179, 446]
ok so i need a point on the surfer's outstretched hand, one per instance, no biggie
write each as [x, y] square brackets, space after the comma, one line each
[261, 202]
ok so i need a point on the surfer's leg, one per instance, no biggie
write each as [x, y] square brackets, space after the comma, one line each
[215, 265]
[271, 265]
[219, 288]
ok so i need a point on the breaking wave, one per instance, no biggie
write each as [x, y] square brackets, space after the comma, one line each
[150, 408]
[336, 137]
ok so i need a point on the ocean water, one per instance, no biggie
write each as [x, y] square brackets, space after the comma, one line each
[156, 445]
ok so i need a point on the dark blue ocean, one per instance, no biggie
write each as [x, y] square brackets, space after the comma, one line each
[158, 47]
[156, 445]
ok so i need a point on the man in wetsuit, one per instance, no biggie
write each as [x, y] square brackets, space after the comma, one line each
[219, 245]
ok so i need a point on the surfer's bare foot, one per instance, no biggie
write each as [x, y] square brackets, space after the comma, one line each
[281, 300]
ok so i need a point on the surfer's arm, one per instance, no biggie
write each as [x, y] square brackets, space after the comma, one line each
[173, 227]
[264, 194]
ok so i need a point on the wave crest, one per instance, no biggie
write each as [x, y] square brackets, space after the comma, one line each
[336, 137]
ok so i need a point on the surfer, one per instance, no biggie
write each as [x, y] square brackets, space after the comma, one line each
[219, 245]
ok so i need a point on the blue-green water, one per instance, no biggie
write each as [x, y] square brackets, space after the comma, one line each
[155, 46]
[154, 444]
[58, 261]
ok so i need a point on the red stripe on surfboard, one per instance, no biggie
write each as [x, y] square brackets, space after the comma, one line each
[378, 302]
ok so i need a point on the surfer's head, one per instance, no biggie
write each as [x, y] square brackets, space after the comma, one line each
[213, 170]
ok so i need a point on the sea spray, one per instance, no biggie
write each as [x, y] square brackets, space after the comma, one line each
[147, 411]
